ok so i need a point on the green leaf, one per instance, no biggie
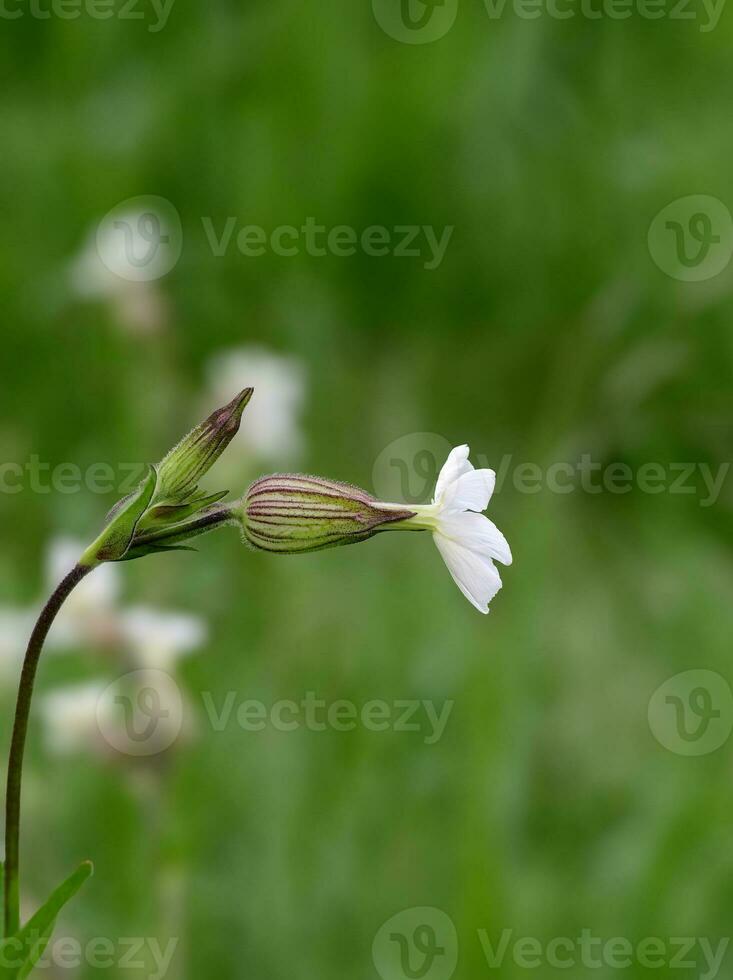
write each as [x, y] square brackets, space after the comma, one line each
[141, 551]
[20, 953]
[115, 539]
[35, 950]
[165, 514]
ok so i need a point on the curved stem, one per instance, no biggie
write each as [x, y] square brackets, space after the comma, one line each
[17, 748]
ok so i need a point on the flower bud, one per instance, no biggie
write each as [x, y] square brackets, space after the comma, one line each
[292, 514]
[184, 465]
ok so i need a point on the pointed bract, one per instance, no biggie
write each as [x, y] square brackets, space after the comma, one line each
[115, 540]
[197, 452]
[168, 508]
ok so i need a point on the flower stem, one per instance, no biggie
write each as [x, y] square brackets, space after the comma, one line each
[17, 748]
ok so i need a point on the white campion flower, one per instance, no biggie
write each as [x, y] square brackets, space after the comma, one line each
[295, 514]
[467, 540]
[271, 427]
[101, 272]
[158, 639]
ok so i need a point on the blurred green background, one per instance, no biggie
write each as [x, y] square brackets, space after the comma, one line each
[548, 332]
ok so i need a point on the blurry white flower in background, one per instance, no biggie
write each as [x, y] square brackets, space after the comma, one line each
[140, 714]
[89, 616]
[271, 427]
[92, 616]
[143, 641]
[157, 639]
[69, 717]
[101, 272]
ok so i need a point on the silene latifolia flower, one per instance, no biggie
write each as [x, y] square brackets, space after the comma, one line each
[292, 514]
[281, 514]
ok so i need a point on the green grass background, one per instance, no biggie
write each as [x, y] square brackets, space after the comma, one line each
[548, 332]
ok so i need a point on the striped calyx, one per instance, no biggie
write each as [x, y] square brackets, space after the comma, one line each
[292, 514]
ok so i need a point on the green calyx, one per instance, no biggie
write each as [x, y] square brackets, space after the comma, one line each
[168, 508]
[294, 514]
[197, 452]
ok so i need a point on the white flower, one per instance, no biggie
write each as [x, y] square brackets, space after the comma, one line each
[89, 615]
[140, 714]
[101, 272]
[71, 717]
[468, 541]
[157, 639]
[271, 426]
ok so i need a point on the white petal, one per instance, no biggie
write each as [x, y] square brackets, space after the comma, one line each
[456, 465]
[478, 534]
[272, 425]
[474, 574]
[471, 491]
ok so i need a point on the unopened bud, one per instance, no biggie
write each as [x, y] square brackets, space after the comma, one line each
[293, 514]
[184, 466]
